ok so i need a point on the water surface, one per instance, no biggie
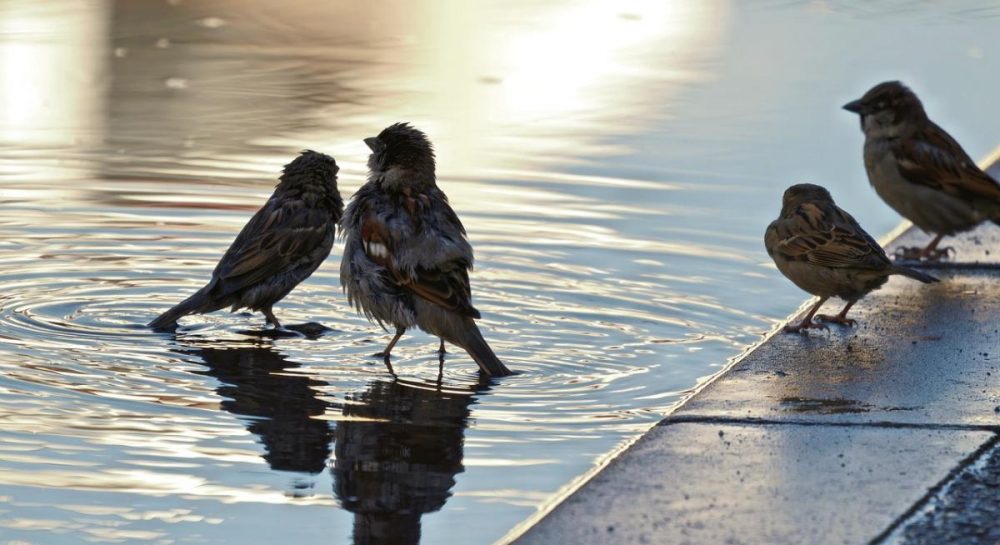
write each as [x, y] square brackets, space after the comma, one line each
[615, 164]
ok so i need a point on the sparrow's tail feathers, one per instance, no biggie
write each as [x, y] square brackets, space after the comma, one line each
[168, 320]
[474, 343]
[916, 275]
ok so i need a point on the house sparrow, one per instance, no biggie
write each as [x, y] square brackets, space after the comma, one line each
[281, 245]
[406, 257]
[824, 251]
[920, 170]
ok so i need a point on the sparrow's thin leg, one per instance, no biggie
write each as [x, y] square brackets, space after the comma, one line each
[388, 350]
[271, 319]
[440, 368]
[807, 322]
[931, 252]
[441, 350]
[840, 318]
[388, 365]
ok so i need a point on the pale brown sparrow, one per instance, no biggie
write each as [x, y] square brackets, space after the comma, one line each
[824, 251]
[920, 170]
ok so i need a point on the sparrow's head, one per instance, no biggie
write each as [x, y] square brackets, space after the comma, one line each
[888, 109]
[799, 194]
[311, 168]
[402, 156]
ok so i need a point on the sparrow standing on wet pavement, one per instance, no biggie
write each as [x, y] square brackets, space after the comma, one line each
[920, 170]
[406, 257]
[824, 251]
[279, 247]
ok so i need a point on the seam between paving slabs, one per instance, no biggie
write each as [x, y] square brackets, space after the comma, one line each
[985, 267]
[884, 424]
[924, 500]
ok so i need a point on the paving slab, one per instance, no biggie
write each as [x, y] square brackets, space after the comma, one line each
[920, 355]
[696, 483]
[965, 512]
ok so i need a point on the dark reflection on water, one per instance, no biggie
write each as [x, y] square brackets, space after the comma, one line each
[281, 407]
[398, 447]
[397, 456]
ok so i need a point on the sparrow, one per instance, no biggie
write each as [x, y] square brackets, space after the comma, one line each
[920, 170]
[824, 251]
[281, 245]
[406, 256]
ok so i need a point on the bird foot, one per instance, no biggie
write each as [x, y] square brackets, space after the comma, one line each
[838, 319]
[911, 253]
[804, 326]
[939, 254]
[914, 253]
[381, 355]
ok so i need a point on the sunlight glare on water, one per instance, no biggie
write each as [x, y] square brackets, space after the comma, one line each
[615, 164]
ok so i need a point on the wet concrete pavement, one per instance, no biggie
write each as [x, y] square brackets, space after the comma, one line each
[964, 512]
[886, 432]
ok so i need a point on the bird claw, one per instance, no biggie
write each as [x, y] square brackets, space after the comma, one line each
[911, 253]
[914, 253]
[939, 254]
[841, 320]
[802, 327]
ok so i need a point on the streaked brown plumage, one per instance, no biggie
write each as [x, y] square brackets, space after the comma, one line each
[824, 251]
[281, 245]
[920, 170]
[406, 255]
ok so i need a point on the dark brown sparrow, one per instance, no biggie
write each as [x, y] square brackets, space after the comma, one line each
[920, 170]
[406, 257]
[281, 245]
[824, 251]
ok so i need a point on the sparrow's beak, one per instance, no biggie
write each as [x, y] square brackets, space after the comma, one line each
[374, 144]
[855, 106]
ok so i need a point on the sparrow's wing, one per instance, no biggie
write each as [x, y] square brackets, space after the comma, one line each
[934, 159]
[278, 235]
[445, 283]
[826, 235]
[447, 287]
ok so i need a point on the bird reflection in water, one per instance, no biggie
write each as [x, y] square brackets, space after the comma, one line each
[397, 450]
[397, 457]
[281, 406]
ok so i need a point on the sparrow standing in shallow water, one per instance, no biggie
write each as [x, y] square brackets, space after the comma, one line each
[281, 245]
[824, 251]
[920, 170]
[406, 257]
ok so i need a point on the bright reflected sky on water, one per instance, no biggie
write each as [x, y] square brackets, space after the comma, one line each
[615, 164]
